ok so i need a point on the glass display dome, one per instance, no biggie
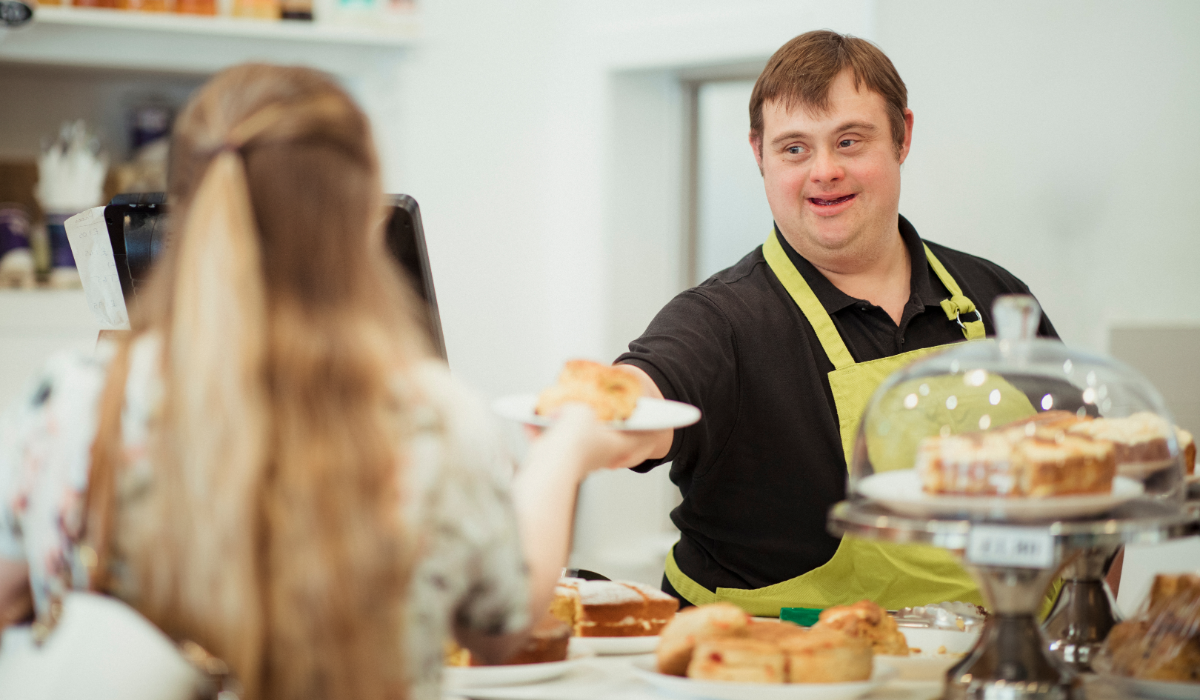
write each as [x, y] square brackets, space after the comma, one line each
[1016, 429]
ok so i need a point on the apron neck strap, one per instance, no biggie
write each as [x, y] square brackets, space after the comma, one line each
[957, 304]
[822, 324]
[802, 294]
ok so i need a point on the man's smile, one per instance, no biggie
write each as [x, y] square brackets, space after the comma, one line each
[831, 202]
[831, 205]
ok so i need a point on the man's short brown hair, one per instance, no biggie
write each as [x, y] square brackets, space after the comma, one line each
[802, 70]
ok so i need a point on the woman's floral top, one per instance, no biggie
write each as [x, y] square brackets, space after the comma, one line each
[470, 571]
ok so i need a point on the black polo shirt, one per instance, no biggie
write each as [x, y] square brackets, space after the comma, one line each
[761, 469]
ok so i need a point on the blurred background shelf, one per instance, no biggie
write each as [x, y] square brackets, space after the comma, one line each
[97, 38]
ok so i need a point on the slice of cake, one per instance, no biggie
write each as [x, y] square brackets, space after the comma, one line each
[547, 642]
[869, 622]
[1063, 465]
[972, 464]
[1025, 460]
[739, 660]
[1187, 447]
[1137, 440]
[612, 608]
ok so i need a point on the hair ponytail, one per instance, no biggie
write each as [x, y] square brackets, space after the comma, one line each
[217, 411]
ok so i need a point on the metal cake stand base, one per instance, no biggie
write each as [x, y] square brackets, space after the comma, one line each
[1014, 564]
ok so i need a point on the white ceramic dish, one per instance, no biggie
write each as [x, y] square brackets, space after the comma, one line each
[931, 640]
[718, 690]
[901, 491]
[615, 646]
[458, 678]
[650, 414]
[939, 649]
[1164, 690]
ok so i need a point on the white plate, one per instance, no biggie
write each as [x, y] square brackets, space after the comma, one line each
[614, 646]
[901, 491]
[930, 639]
[457, 678]
[1167, 690]
[723, 690]
[650, 414]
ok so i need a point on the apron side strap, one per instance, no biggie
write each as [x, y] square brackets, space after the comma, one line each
[804, 297]
[957, 305]
[691, 591]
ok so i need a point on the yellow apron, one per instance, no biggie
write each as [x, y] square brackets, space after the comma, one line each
[894, 576]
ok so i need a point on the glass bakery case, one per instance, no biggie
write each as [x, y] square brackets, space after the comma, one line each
[1033, 463]
[1017, 429]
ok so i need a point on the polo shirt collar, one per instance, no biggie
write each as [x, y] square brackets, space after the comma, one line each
[834, 299]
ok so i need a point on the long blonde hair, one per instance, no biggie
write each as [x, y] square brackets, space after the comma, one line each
[272, 536]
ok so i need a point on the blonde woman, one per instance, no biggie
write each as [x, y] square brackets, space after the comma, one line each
[299, 488]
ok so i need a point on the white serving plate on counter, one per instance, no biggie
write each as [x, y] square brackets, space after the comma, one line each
[459, 678]
[650, 414]
[931, 639]
[901, 491]
[615, 646]
[940, 649]
[646, 669]
[1163, 690]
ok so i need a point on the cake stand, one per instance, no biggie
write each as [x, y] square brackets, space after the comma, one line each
[1014, 564]
[1082, 615]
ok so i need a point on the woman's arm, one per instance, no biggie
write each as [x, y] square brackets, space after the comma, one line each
[543, 494]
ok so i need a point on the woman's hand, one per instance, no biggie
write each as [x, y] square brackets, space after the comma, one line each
[16, 600]
[595, 446]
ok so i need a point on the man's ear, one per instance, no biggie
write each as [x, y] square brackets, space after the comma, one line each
[756, 147]
[908, 131]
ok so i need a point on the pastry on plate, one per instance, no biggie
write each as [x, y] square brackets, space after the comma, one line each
[869, 622]
[773, 631]
[1162, 643]
[693, 625]
[824, 655]
[737, 659]
[611, 392]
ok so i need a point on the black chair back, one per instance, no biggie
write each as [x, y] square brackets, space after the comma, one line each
[137, 228]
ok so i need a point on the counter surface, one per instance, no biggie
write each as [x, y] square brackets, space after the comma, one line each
[612, 678]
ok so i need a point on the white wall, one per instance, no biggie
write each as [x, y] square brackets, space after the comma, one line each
[1059, 139]
[733, 216]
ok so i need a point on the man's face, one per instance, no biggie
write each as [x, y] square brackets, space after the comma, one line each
[833, 179]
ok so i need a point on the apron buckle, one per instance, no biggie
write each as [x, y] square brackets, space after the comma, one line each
[978, 319]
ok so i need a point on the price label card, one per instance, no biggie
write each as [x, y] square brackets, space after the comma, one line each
[1023, 547]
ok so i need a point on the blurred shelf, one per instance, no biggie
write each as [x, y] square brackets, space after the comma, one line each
[69, 36]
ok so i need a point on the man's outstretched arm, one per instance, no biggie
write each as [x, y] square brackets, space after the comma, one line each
[652, 444]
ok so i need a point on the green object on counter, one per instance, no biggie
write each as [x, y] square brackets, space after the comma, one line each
[805, 617]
